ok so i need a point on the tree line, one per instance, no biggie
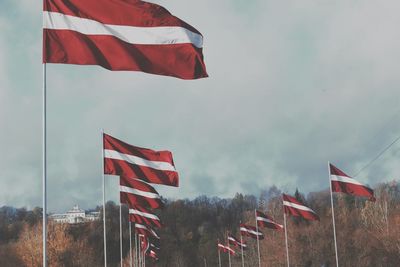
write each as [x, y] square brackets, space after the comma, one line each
[368, 233]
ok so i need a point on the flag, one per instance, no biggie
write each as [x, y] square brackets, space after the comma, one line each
[152, 254]
[251, 231]
[137, 192]
[226, 249]
[263, 220]
[143, 216]
[343, 183]
[129, 161]
[121, 35]
[295, 208]
[235, 242]
[145, 230]
[144, 243]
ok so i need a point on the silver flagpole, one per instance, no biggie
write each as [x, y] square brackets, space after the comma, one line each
[136, 255]
[44, 178]
[104, 199]
[140, 256]
[241, 244]
[286, 240]
[258, 240]
[219, 256]
[130, 243]
[333, 216]
[229, 252]
[120, 231]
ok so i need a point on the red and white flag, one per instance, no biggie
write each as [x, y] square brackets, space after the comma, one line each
[145, 230]
[143, 216]
[236, 242]
[144, 243]
[129, 161]
[121, 35]
[139, 193]
[295, 208]
[251, 231]
[152, 254]
[226, 249]
[343, 183]
[263, 220]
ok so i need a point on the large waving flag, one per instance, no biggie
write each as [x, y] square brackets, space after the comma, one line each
[295, 208]
[263, 220]
[251, 231]
[121, 35]
[136, 192]
[129, 161]
[343, 183]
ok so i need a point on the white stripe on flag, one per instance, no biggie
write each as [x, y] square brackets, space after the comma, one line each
[138, 192]
[165, 35]
[268, 221]
[297, 206]
[141, 226]
[250, 231]
[144, 214]
[345, 179]
[158, 165]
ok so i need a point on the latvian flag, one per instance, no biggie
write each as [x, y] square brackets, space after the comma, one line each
[152, 254]
[226, 249]
[295, 208]
[263, 220]
[137, 192]
[143, 216]
[235, 242]
[145, 230]
[129, 161]
[343, 183]
[121, 35]
[251, 231]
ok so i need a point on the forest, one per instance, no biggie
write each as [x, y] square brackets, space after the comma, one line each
[368, 233]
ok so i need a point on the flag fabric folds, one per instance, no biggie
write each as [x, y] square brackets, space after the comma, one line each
[226, 249]
[263, 220]
[343, 183]
[146, 231]
[128, 35]
[295, 208]
[236, 242]
[137, 192]
[152, 254]
[250, 231]
[143, 216]
[129, 161]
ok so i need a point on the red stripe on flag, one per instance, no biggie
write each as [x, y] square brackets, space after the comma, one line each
[263, 220]
[139, 218]
[251, 231]
[136, 199]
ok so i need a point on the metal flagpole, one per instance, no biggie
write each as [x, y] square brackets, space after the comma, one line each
[258, 240]
[140, 256]
[44, 178]
[120, 231]
[136, 256]
[333, 216]
[219, 255]
[130, 243]
[229, 252]
[241, 244]
[287, 247]
[104, 199]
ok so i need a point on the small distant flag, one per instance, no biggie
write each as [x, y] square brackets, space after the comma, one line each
[145, 230]
[152, 254]
[263, 220]
[250, 231]
[343, 183]
[235, 242]
[121, 35]
[295, 208]
[133, 162]
[226, 249]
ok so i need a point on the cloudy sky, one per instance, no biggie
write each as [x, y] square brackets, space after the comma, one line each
[292, 85]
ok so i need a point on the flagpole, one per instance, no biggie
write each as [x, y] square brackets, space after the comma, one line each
[140, 256]
[219, 255]
[44, 178]
[229, 252]
[130, 243]
[136, 256]
[241, 245]
[258, 240]
[104, 199]
[120, 231]
[286, 240]
[333, 216]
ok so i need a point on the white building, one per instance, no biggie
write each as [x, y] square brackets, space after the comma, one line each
[75, 215]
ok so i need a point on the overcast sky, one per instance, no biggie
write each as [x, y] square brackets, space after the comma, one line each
[293, 85]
